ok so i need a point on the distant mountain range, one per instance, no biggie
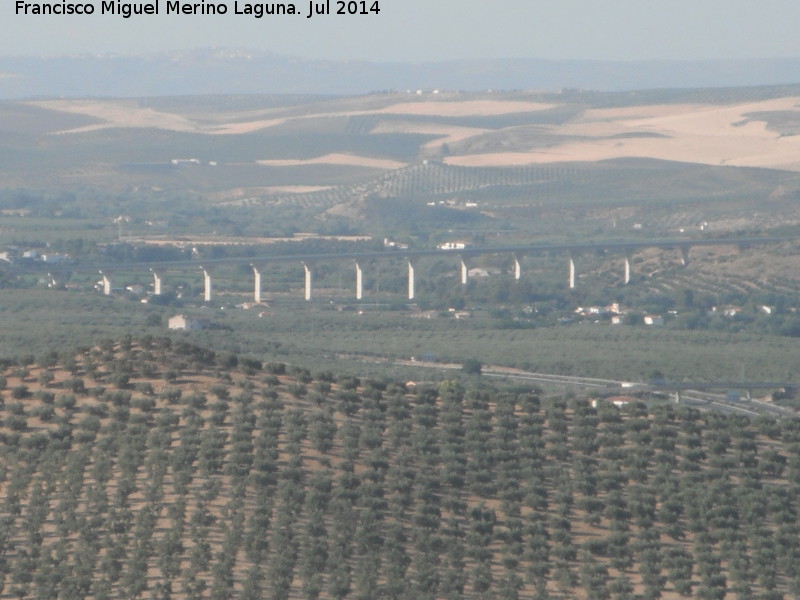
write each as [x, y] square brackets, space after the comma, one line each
[233, 71]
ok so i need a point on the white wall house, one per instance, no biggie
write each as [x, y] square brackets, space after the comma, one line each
[185, 323]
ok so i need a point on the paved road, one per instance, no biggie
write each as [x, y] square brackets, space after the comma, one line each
[696, 398]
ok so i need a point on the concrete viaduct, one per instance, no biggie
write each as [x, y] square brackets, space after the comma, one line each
[571, 249]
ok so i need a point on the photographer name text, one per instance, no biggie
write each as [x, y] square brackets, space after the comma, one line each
[257, 10]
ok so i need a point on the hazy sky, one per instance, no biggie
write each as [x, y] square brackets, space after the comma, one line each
[431, 30]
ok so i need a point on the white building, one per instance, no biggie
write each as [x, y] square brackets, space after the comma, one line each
[452, 246]
[55, 258]
[185, 323]
[654, 320]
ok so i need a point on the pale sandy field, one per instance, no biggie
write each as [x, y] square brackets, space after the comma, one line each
[118, 114]
[337, 159]
[125, 114]
[716, 135]
[447, 133]
[466, 108]
[694, 133]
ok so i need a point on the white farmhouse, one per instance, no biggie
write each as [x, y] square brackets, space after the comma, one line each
[185, 323]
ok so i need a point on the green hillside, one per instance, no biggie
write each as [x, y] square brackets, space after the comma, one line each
[158, 469]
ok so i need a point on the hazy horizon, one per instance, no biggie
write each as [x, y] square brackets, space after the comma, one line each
[417, 31]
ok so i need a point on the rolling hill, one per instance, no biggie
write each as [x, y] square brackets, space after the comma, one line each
[161, 469]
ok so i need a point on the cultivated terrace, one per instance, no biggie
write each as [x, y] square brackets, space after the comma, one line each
[153, 468]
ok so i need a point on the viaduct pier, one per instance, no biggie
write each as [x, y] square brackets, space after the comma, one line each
[516, 254]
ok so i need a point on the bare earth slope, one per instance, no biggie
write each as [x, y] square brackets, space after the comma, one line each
[740, 133]
[715, 135]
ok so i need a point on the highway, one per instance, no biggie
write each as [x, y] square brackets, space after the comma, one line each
[698, 399]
